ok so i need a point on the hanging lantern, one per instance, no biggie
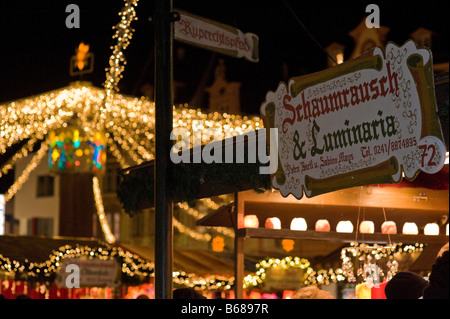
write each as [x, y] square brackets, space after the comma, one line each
[366, 227]
[322, 225]
[431, 229]
[299, 224]
[344, 226]
[251, 221]
[389, 227]
[218, 244]
[288, 244]
[71, 151]
[273, 223]
[410, 229]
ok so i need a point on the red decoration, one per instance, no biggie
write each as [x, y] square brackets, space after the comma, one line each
[389, 228]
[322, 225]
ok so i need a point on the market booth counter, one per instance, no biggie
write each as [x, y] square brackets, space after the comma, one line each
[403, 203]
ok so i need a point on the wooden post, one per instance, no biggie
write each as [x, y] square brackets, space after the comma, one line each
[163, 168]
[238, 248]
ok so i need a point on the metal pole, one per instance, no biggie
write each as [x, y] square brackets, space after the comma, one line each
[163, 127]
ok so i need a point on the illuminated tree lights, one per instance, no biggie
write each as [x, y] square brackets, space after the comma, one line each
[128, 130]
[134, 269]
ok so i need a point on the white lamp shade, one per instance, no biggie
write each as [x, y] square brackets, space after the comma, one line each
[251, 221]
[410, 229]
[389, 227]
[431, 229]
[344, 226]
[273, 222]
[366, 227]
[322, 225]
[298, 224]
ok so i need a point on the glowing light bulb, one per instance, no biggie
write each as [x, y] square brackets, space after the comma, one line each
[251, 221]
[410, 229]
[322, 225]
[389, 227]
[273, 223]
[344, 226]
[366, 227]
[299, 224]
[431, 229]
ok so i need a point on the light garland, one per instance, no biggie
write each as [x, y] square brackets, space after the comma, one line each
[196, 214]
[188, 231]
[129, 127]
[324, 276]
[283, 263]
[131, 264]
[117, 63]
[134, 268]
[23, 152]
[212, 282]
[129, 133]
[26, 172]
[109, 236]
[366, 259]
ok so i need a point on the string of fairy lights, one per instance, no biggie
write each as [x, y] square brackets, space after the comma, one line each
[128, 122]
[109, 236]
[130, 129]
[135, 269]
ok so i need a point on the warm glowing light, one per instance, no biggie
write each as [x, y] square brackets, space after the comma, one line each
[218, 244]
[67, 147]
[367, 227]
[81, 54]
[322, 225]
[410, 229]
[288, 244]
[431, 229]
[344, 226]
[251, 221]
[340, 58]
[101, 212]
[273, 223]
[299, 224]
[129, 123]
[389, 228]
[446, 230]
[446, 158]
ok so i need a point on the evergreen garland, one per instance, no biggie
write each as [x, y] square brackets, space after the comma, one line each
[136, 189]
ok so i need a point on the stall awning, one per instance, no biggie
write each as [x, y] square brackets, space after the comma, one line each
[200, 262]
[37, 249]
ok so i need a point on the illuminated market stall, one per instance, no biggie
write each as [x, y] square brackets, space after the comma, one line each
[380, 209]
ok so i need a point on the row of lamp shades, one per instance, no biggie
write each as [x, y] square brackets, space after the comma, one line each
[344, 226]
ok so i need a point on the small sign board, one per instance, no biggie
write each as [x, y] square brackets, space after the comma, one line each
[370, 120]
[215, 36]
[92, 272]
[278, 278]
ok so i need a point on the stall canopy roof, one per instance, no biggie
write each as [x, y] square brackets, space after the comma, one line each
[38, 249]
[199, 262]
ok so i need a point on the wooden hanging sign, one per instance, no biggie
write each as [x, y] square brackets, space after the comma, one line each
[215, 36]
[370, 120]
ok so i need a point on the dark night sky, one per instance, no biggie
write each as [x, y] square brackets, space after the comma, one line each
[36, 45]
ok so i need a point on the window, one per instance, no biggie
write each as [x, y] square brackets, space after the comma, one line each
[40, 227]
[111, 179]
[45, 186]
